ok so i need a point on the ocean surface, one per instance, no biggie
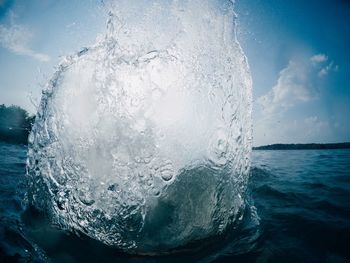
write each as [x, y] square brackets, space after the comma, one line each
[298, 210]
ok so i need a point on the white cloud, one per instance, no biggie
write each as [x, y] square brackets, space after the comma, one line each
[318, 58]
[16, 38]
[323, 72]
[293, 86]
[330, 67]
[298, 82]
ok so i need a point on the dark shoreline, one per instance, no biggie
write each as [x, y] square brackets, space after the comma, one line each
[305, 146]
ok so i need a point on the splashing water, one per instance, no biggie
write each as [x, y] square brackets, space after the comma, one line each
[143, 141]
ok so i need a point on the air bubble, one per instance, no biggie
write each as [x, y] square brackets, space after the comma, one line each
[112, 187]
[167, 173]
[86, 198]
[156, 191]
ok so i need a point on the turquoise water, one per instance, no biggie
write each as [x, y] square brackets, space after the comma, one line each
[298, 211]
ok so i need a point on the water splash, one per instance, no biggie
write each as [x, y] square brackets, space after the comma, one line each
[143, 141]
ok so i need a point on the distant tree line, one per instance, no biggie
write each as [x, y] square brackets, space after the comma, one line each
[15, 124]
[306, 146]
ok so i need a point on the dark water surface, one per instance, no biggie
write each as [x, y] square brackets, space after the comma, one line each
[299, 211]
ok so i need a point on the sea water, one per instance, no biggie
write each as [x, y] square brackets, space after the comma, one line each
[302, 201]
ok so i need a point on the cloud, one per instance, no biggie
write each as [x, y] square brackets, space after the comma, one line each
[16, 38]
[318, 58]
[328, 68]
[298, 82]
[321, 59]
[294, 85]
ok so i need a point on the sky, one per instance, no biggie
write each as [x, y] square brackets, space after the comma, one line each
[297, 52]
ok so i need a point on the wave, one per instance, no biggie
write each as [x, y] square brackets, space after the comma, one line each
[143, 140]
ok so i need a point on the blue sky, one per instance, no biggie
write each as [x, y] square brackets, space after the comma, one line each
[297, 50]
